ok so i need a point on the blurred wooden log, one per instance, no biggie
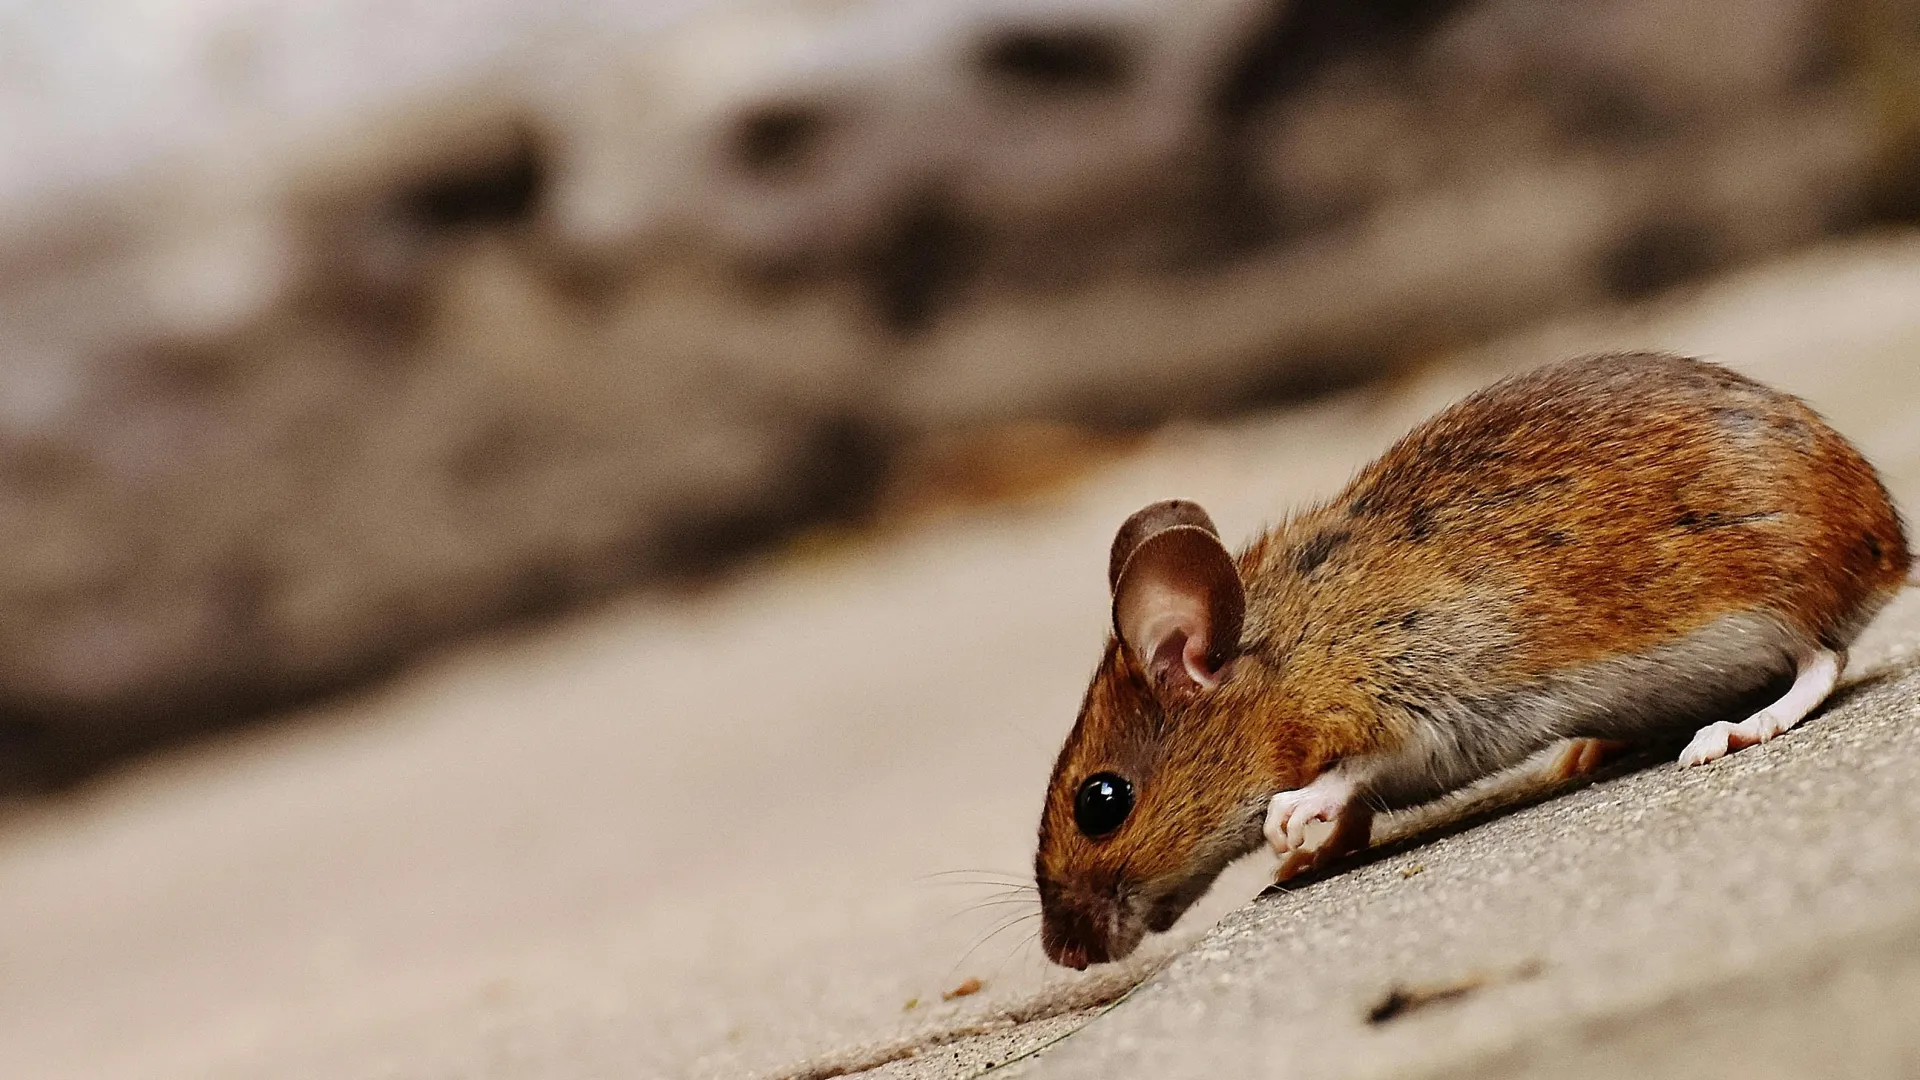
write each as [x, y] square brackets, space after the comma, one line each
[324, 337]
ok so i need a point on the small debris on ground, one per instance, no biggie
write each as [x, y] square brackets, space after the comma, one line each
[1401, 1000]
[971, 986]
[1416, 868]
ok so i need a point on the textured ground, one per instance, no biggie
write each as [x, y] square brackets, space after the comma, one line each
[697, 835]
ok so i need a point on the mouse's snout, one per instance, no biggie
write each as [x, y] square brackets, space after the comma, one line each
[1068, 954]
[1072, 939]
[1079, 927]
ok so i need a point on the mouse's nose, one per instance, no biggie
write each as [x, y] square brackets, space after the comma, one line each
[1072, 938]
[1072, 956]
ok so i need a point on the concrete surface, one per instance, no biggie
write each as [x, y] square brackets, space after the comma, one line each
[697, 835]
[331, 332]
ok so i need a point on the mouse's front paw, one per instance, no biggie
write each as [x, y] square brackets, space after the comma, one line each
[1290, 812]
[1329, 798]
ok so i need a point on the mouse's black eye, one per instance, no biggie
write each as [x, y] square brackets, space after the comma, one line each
[1102, 804]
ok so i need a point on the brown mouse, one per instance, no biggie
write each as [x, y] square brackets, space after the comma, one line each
[1626, 548]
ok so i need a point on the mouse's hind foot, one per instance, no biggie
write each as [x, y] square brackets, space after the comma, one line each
[1819, 673]
[1582, 756]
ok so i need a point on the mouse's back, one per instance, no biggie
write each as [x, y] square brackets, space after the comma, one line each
[1615, 501]
[1600, 532]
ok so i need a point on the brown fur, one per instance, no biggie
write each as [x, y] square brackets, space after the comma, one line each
[1585, 511]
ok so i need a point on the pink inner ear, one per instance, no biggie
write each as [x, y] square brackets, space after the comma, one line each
[1175, 599]
[1195, 656]
[1172, 627]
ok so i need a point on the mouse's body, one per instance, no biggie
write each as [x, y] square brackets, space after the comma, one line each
[1622, 548]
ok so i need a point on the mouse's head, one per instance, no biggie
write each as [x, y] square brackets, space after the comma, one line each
[1158, 788]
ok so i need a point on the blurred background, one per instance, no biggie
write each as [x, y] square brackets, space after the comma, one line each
[530, 532]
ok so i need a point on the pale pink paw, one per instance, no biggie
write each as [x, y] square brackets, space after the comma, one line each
[1710, 743]
[1818, 672]
[1715, 741]
[1582, 756]
[1290, 812]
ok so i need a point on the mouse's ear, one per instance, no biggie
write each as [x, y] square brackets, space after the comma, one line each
[1146, 521]
[1177, 597]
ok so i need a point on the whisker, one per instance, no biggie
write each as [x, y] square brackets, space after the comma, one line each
[966, 870]
[1018, 946]
[991, 934]
[984, 883]
[985, 904]
[1010, 878]
[979, 941]
[1005, 900]
[1029, 894]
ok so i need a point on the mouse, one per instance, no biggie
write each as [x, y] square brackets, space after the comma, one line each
[1621, 550]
